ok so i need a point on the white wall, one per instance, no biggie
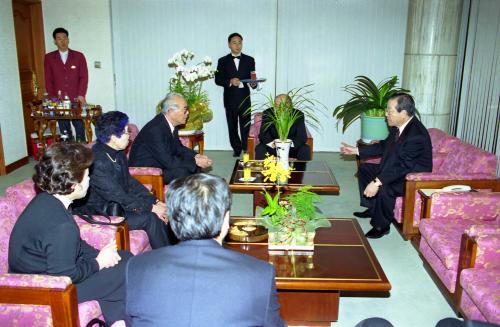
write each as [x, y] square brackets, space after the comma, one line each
[11, 115]
[294, 43]
[147, 33]
[89, 25]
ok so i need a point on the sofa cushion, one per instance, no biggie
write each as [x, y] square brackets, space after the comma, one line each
[139, 242]
[469, 159]
[482, 287]
[444, 236]
[447, 277]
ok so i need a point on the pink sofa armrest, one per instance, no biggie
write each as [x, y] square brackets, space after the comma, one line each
[98, 235]
[465, 205]
[32, 281]
[449, 176]
[487, 251]
[145, 171]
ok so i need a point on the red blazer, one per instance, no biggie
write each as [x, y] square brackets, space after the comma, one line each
[71, 78]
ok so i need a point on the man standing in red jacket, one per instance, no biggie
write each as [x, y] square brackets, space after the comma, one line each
[66, 71]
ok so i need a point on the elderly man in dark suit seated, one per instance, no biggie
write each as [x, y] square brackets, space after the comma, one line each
[268, 133]
[198, 282]
[407, 149]
[158, 145]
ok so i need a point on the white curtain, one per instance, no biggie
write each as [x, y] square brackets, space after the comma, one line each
[294, 42]
[476, 111]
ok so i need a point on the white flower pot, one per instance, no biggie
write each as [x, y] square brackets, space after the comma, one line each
[283, 151]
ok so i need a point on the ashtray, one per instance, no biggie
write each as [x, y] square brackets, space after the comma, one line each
[247, 231]
[251, 179]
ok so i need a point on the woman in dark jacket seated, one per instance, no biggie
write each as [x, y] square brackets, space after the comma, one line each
[46, 238]
[111, 183]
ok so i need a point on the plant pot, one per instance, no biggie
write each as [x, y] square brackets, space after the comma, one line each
[283, 151]
[373, 128]
[291, 241]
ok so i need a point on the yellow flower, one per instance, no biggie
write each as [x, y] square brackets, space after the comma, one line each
[274, 171]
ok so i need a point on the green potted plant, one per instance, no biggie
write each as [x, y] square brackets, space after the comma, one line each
[369, 102]
[292, 220]
[284, 113]
[188, 81]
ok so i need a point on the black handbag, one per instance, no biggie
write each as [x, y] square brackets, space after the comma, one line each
[98, 322]
[111, 208]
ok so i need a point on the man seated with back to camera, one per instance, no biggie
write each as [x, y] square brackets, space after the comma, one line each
[268, 132]
[158, 145]
[111, 183]
[198, 282]
[407, 149]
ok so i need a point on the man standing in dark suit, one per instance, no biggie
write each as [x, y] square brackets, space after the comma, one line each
[66, 71]
[231, 69]
[198, 282]
[268, 132]
[407, 149]
[158, 144]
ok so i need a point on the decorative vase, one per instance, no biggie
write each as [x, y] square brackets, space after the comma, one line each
[291, 240]
[373, 128]
[282, 152]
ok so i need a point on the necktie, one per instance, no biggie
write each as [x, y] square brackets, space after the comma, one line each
[237, 57]
[398, 134]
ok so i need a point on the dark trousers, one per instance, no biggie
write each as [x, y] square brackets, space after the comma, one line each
[156, 229]
[233, 116]
[381, 206]
[64, 125]
[171, 174]
[301, 153]
[107, 286]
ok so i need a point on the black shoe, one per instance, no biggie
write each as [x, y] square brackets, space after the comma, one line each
[378, 233]
[362, 214]
[236, 154]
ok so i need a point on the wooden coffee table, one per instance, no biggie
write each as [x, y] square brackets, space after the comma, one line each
[314, 173]
[309, 285]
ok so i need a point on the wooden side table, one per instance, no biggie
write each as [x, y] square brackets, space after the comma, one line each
[192, 139]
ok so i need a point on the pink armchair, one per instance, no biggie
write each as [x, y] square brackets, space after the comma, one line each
[451, 215]
[38, 300]
[478, 291]
[135, 241]
[464, 164]
[253, 136]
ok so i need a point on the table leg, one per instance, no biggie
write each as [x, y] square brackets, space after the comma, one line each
[313, 308]
[88, 129]
[201, 145]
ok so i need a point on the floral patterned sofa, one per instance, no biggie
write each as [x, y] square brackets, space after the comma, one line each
[454, 162]
[479, 287]
[253, 136]
[451, 216]
[135, 241]
[42, 300]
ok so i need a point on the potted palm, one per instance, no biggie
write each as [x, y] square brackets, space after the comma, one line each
[284, 111]
[292, 220]
[369, 102]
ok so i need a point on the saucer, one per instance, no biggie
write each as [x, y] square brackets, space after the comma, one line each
[251, 179]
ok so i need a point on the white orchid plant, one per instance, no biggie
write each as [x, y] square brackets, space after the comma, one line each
[188, 81]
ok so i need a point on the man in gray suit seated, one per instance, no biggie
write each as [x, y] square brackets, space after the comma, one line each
[198, 282]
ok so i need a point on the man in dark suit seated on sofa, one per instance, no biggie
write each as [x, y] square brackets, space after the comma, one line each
[158, 145]
[268, 133]
[407, 149]
[198, 282]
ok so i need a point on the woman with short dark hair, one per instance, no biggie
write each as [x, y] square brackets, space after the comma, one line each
[46, 238]
[112, 184]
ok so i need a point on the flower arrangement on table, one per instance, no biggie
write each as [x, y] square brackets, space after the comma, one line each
[291, 220]
[188, 81]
